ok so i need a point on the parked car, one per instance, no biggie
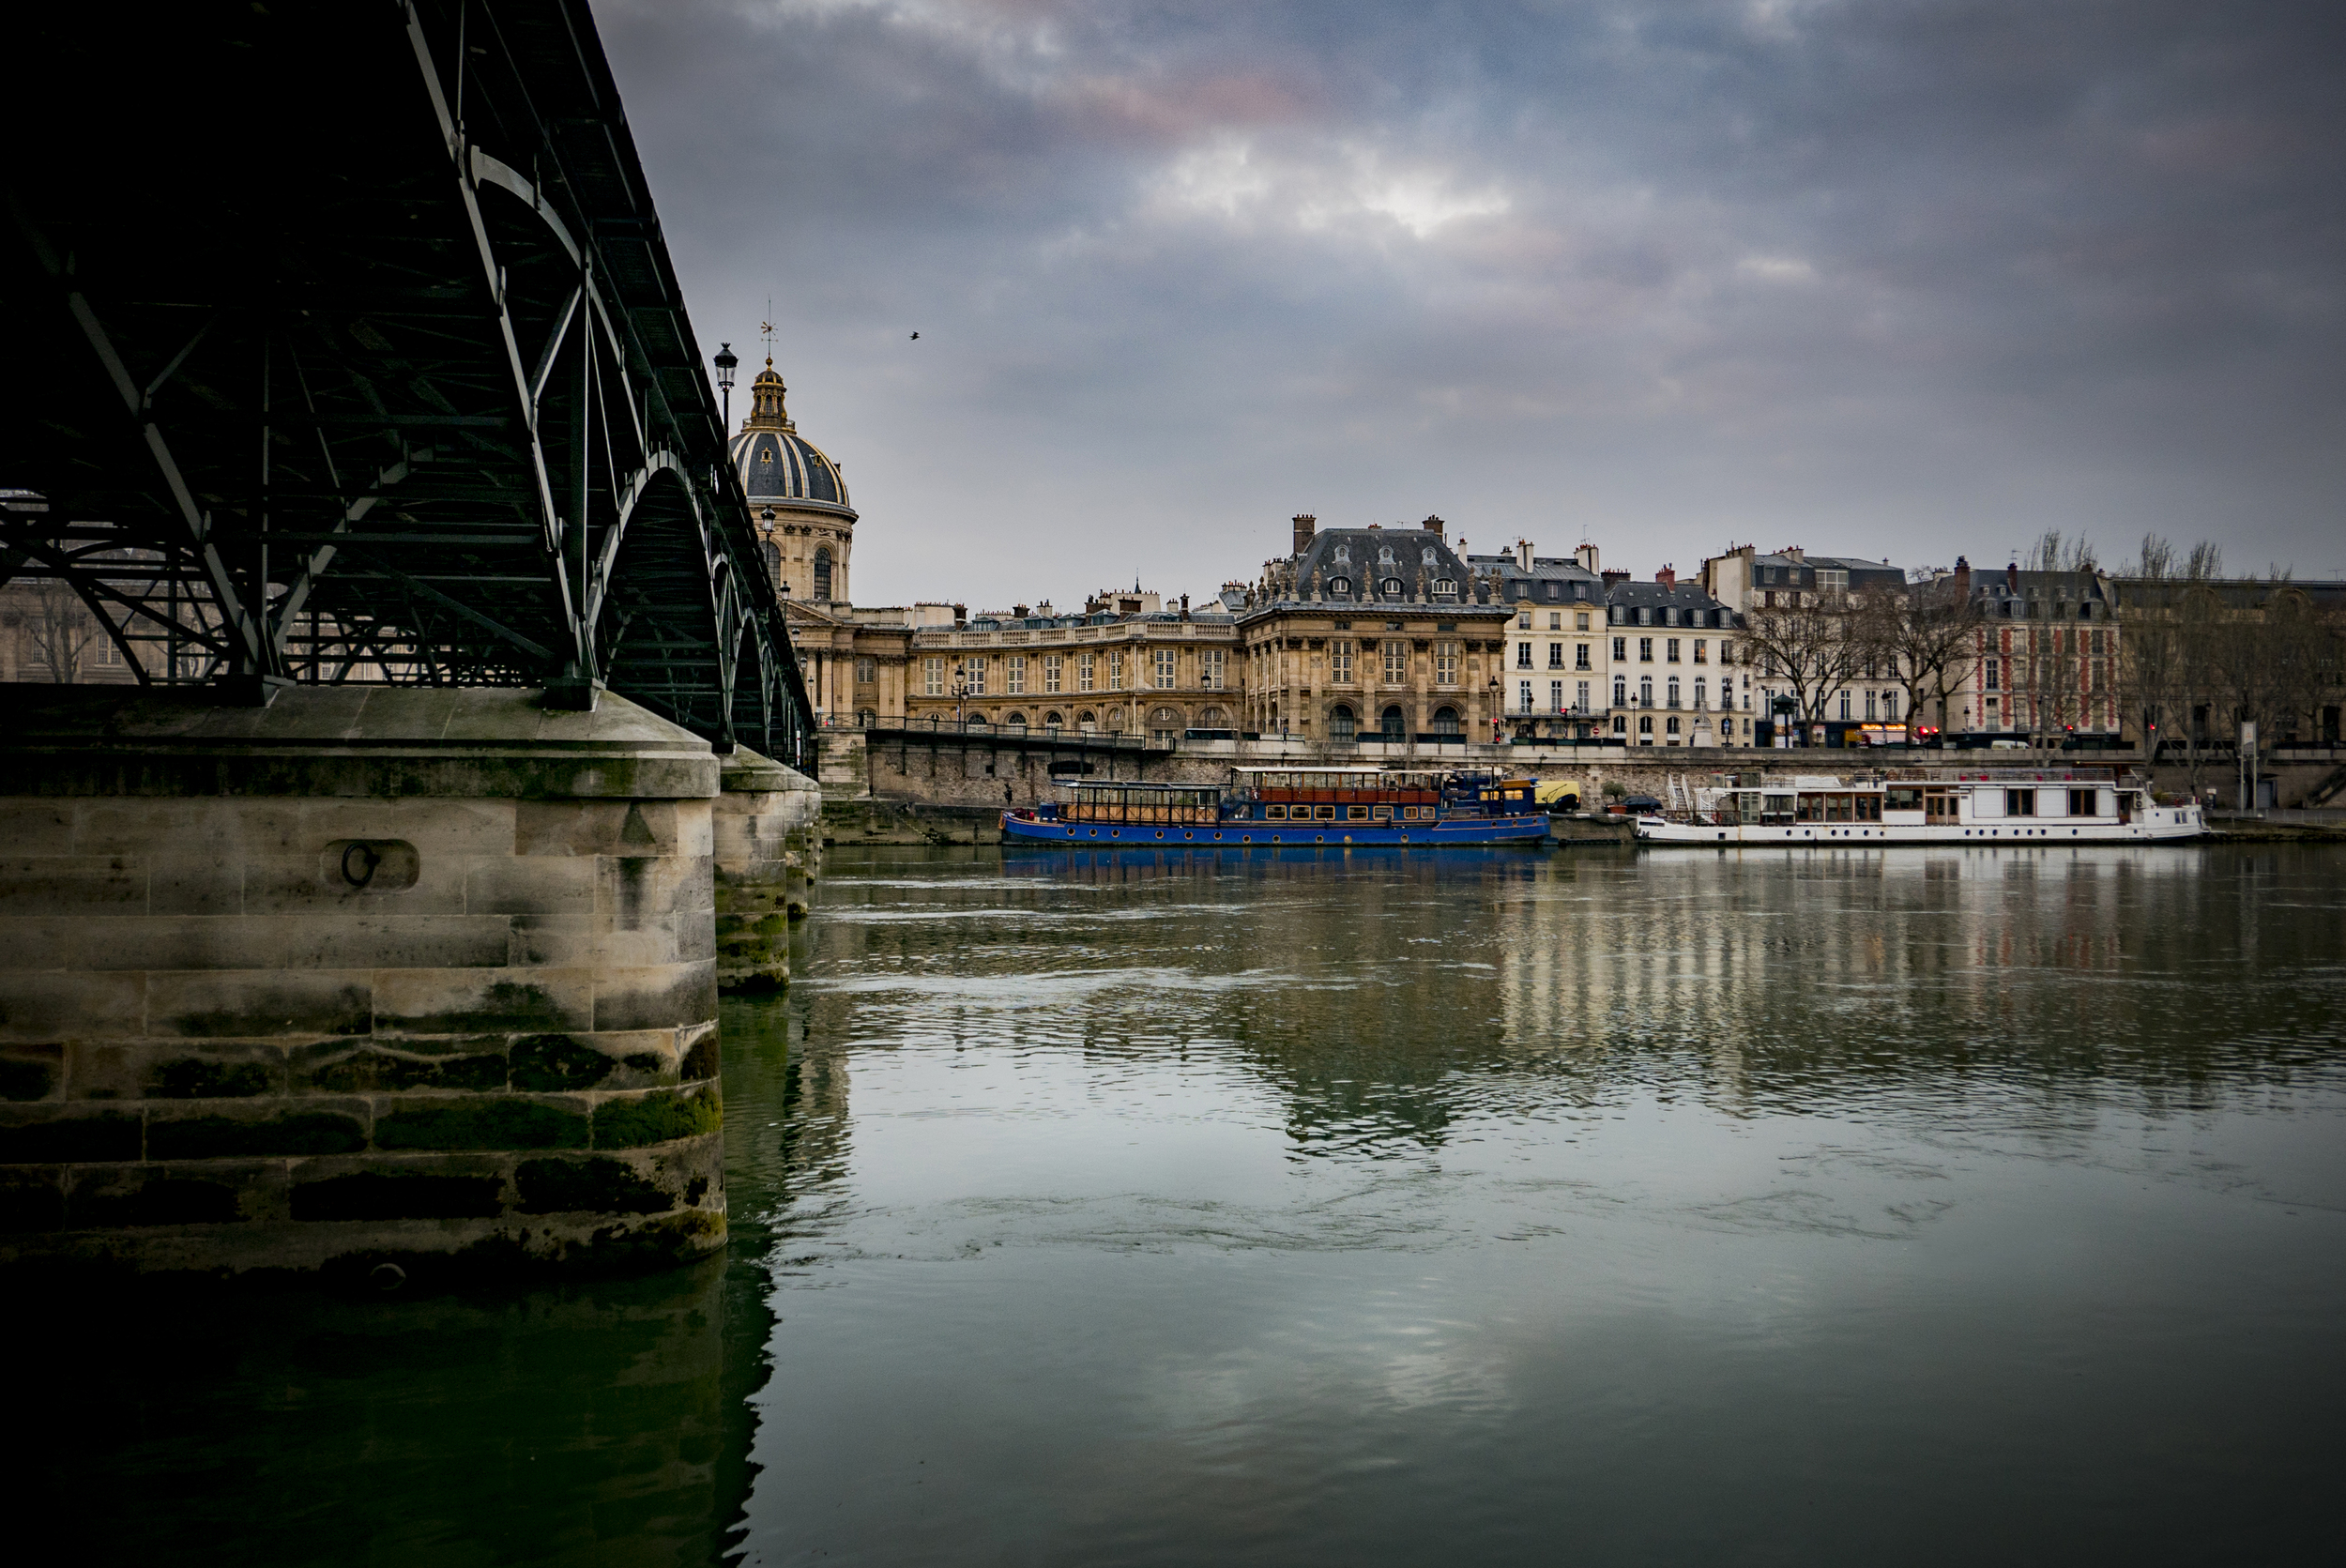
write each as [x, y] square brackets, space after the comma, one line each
[1634, 805]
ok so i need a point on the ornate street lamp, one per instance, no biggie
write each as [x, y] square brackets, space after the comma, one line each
[726, 362]
[961, 691]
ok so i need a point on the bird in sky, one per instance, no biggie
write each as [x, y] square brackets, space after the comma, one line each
[916, 337]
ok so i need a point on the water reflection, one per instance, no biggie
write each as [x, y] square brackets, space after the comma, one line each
[1358, 1207]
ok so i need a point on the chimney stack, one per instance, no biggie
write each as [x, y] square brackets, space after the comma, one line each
[961, 615]
[1185, 606]
[1585, 555]
[1432, 526]
[1616, 575]
[1523, 554]
[1018, 610]
[1668, 577]
[2012, 577]
[1305, 525]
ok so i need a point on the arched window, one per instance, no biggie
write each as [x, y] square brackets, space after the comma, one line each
[1392, 585]
[1445, 588]
[1018, 720]
[1052, 721]
[1343, 725]
[773, 563]
[1340, 585]
[1086, 722]
[822, 572]
[1393, 724]
[1446, 722]
[1673, 691]
[1212, 718]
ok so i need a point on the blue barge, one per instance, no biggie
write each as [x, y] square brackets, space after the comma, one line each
[1292, 806]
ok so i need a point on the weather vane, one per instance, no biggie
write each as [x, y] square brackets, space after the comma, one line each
[767, 329]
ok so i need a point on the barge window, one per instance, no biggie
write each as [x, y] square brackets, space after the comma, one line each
[1870, 808]
[1382, 813]
[1275, 814]
[2019, 802]
[1356, 813]
[1323, 814]
[2081, 803]
[1901, 800]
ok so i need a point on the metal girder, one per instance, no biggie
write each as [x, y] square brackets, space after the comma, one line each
[421, 406]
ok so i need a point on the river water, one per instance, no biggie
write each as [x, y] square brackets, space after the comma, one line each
[1383, 1206]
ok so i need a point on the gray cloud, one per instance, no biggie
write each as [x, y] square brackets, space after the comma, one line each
[1891, 278]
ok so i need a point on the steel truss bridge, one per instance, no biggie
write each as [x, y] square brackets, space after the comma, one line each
[345, 347]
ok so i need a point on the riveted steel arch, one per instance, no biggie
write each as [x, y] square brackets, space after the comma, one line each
[418, 402]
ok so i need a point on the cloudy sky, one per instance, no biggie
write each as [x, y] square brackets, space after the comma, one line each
[1892, 278]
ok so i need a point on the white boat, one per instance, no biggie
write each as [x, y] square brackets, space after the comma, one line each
[1996, 805]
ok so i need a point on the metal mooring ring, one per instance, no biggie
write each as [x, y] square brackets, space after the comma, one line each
[360, 847]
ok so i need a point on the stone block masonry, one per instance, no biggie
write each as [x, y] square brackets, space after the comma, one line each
[371, 979]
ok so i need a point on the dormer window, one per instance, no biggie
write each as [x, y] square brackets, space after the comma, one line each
[1384, 555]
[1343, 555]
[1392, 585]
[1444, 588]
[1670, 618]
[1339, 585]
[1430, 555]
[1645, 615]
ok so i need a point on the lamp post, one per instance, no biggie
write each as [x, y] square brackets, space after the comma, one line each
[1497, 709]
[725, 361]
[961, 691]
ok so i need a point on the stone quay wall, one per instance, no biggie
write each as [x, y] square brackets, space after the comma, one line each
[369, 980]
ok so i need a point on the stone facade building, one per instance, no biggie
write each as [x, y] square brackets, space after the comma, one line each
[1372, 634]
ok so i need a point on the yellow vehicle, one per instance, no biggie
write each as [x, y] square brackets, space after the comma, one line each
[1561, 794]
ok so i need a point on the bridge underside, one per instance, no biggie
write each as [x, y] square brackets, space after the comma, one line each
[348, 349]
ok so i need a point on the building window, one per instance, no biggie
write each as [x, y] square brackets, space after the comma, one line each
[1087, 672]
[1523, 656]
[1645, 691]
[1992, 670]
[1523, 696]
[1621, 723]
[1889, 705]
[1580, 658]
[1702, 646]
[973, 671]
[1445, 587]
[1645, 615]
[822, 572]
[1844, 713]
[1645, 650]
[1580, 622]
[866, 671]
[1340, 587]
[1672, 726]
[1396, 661]
[1212, 668]
[1621, 691]
[1556, 697]
[1673, 691]
[932, 677]
[1165, 669]
[1340, 662]
[1555, 656]
[1871, 700]
[1391, 587]
[1671, 650]
[1343, 725]
[1445, 663]
[1447, 723]
[1621, 651]
[1523, 620]
[1051, 666]
[1116, 669]
[774, 564]
[1701, 696]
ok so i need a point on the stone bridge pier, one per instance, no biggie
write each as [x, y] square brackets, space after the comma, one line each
[373, 980]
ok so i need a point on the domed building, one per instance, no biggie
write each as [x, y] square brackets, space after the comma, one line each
[798, 497]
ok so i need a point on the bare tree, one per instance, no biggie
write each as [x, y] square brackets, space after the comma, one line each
[61, 627]
[1920, 636]
[1814, 647]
